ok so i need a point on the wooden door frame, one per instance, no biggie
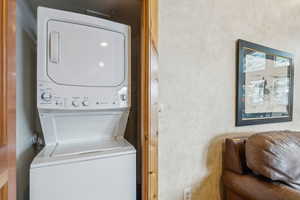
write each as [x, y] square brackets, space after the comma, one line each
[8, 99]
[149, 139]
[149, 111]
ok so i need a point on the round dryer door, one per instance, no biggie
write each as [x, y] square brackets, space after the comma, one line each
[82, 55]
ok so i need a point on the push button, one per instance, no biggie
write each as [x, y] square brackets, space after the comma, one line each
[58, 103]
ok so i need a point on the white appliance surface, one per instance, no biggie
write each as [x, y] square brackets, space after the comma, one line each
[110, 177]
[77, 99]
[83, 100]
[94, 56]
[81, 126]
[83, 62]
[77, 152]
[89, 147]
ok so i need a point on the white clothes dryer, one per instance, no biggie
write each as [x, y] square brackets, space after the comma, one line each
[83, 100]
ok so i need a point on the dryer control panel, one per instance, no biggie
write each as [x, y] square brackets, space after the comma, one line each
[50, 97]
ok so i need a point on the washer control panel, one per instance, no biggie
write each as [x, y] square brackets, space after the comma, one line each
[57, 98]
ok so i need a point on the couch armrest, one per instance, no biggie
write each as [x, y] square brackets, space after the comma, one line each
[251, 187]
[234, 155]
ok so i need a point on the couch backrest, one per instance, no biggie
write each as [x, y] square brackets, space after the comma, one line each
[275, 155]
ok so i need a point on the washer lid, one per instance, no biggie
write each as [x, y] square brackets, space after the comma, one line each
[67, 154]
[69, 149]
[82, 55]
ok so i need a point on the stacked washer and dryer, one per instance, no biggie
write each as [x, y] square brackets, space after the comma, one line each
[83, 100]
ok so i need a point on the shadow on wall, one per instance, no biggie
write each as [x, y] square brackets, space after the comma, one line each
[26, 106]
[211, 186]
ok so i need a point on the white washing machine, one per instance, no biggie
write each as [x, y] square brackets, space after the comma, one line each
[83, 100]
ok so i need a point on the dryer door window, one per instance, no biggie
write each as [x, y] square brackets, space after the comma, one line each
[87, 56]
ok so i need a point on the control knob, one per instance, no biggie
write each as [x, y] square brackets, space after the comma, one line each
[85, 103]
[46, 96]
[123, 97]
[75, 103]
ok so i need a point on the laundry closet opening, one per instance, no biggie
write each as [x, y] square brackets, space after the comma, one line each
[29, 130]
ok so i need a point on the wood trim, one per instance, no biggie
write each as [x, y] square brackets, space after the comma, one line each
[4, 192]
[154, 23]
[149, 96]
[144, 98]
[8, 99]
[154, 90]
[11, 97]
[3, 134]
[3, 139]
[3, 178]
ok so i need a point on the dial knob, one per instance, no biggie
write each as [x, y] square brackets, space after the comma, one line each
[85, 103]
[123, 97]
[46, 96]
[75, 103]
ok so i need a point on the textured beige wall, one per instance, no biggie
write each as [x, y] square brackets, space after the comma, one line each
[197, 83]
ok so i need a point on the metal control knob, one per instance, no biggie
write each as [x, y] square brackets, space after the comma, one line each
[85, 103]
[46, 96]
[75, 103]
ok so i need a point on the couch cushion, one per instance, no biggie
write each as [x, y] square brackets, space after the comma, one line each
[252, 187]
[275, 155]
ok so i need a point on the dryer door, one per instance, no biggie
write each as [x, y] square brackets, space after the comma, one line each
[82, 55]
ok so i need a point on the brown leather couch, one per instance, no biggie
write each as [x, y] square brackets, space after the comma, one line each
[242, 183]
